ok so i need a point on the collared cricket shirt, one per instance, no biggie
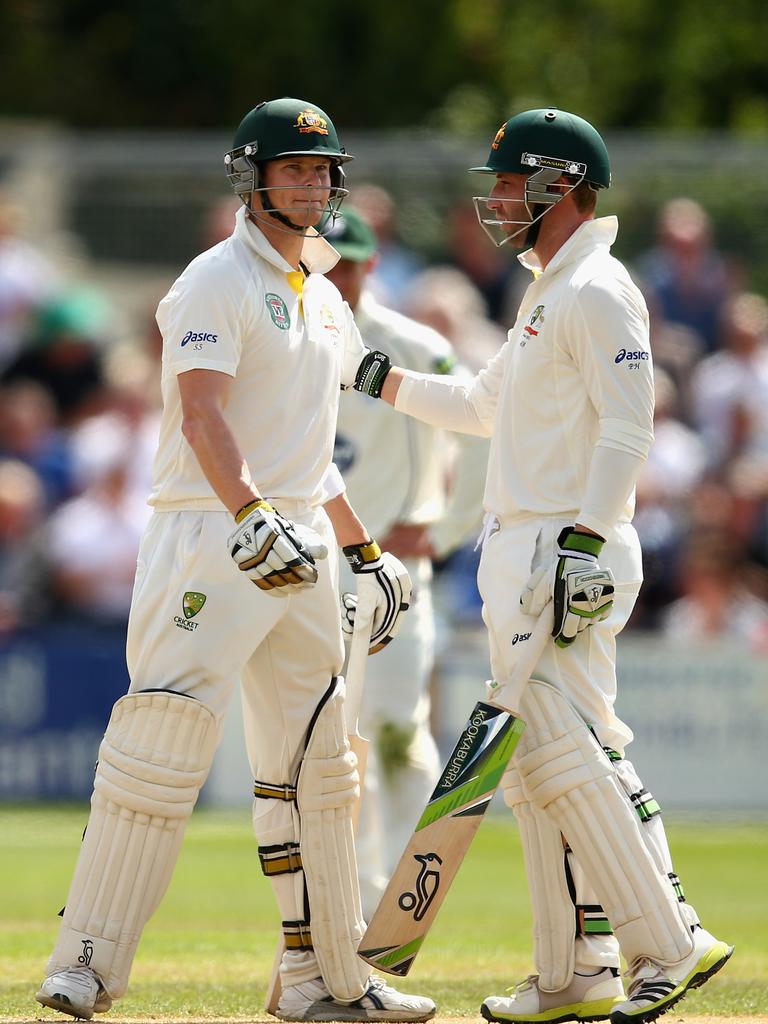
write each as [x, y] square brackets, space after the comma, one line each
[242, 310]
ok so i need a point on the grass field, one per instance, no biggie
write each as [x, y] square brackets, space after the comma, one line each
[208, 951]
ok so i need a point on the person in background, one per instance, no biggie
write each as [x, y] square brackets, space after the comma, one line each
[684, 278]
[27, 280]
[420, 490]
[24, 595]
[397, 263]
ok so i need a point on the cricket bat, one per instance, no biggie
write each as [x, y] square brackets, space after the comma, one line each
[445, 830]
[355, 681]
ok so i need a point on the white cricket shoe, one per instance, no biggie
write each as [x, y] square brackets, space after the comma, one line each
[586, 998]
[75, 990]
[380, 1002]
[653, 988]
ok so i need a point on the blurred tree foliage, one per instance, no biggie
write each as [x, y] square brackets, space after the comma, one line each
[457, 65]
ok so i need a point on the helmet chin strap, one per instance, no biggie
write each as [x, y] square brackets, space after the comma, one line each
[532, 234]
[268, 208]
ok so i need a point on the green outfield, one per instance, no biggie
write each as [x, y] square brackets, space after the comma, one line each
[208, 951]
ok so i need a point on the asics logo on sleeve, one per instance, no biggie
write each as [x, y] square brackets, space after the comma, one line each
[632, 357]
[198, 336]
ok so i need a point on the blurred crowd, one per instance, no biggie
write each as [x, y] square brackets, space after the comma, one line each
[79, 416]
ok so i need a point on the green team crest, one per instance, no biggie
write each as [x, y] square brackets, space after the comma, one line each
[192, 603]
[278, 311]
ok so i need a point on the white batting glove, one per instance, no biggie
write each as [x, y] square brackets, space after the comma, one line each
[278, 555]
[388, 579]
[582, 591]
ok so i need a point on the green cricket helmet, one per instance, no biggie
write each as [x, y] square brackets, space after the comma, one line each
[282, 128]
[546, 145]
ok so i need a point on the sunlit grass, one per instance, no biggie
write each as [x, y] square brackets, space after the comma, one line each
[208, 951]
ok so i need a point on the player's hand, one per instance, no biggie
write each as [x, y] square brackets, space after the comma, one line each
[390, 587]
[581, 590]
[278, 555]
[409, 540]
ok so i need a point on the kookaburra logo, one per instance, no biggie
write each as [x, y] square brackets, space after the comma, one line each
[87, 955]
[427, 884]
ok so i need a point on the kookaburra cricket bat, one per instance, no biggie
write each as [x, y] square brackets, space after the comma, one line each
[453, 814]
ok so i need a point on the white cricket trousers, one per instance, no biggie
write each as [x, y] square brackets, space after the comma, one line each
[585, 672]
[283, 650]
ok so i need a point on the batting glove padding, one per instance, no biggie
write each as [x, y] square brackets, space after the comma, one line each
[391, 585]
[581, 590]
[278, 555]
[371, 373]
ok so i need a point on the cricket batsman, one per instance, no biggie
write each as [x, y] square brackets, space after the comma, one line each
[237, 581]
[568, 405]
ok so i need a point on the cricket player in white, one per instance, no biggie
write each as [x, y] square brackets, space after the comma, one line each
[568, 404]
[256, 346]
[396, 473]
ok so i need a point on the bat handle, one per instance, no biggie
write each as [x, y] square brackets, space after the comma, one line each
[509, 695]
[356, 663]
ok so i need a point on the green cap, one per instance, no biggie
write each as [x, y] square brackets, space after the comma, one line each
[549, 138]
[352, 237]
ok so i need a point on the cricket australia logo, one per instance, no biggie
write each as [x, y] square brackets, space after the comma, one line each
[529, 331]
[278, 311]
[191, 604]
[87, 955]
[310, 121]
[427, 884]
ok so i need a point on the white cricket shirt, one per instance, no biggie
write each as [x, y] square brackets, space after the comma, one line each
[575, 373]
[395, 467]
[234, 310]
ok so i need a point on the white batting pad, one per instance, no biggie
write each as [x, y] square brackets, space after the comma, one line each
[154, 758]
[551, 904]
[327, 789]
[567, 774]
[560, 897]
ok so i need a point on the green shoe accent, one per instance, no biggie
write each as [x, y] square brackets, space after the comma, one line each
[713, 960]
[594, 1010]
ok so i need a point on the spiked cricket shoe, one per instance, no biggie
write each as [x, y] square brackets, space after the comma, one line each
[75, 990]
[654, 988]
[311, 1001]
[586, 998]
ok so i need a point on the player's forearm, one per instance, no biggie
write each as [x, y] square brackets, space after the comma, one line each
[220, 458]
[392, 384]
[346, 525]
[441, 401]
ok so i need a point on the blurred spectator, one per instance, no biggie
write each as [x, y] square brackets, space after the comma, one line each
[684, 278]
[675, 466]
[26, 280]
[93, 539]
[219, 221]
[22, 569]
[397, 264]
[495, 273]
[446, 299]
[29, 432]
[717, 600]
[63, 352]
[730, 388]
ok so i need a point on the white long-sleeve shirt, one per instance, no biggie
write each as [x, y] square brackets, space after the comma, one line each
[574, 378]
[394, 467]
